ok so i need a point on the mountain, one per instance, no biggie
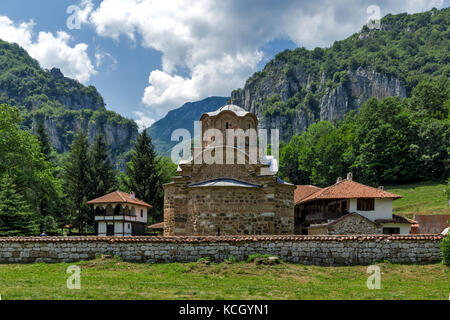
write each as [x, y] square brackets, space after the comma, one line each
[183, 117]
[66, 105]
[300, 87]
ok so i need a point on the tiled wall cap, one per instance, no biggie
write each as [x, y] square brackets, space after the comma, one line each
[211, 239]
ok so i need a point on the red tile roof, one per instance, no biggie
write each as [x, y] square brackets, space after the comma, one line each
[348, 189]
[397, 219]
[119, 197]
[302, 192]
[334, 222]
[157, 226]
[432, 223]
[226, 239]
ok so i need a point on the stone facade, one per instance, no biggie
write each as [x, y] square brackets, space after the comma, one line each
[227, 199]
[308, 250]
[349, 224]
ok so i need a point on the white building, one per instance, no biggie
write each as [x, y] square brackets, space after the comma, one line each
[347, 207]
[120, 214]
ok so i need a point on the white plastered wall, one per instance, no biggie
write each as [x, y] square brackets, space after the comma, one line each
[383, 209]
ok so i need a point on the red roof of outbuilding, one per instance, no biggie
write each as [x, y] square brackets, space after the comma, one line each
[348, 189]
[119, 197]
[397, 219]
[157, 226]
[303, 192]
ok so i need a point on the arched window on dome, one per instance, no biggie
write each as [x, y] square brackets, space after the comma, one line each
[227, 126]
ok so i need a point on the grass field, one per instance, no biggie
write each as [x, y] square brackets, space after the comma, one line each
[114, 279]
[420, 198]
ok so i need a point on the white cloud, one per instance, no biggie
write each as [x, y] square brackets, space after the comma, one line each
[102, 57]
[143, 121]
[50, 50]
[218, 42]
[85, 11]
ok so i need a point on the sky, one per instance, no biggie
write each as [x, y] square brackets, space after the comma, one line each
[147, 57]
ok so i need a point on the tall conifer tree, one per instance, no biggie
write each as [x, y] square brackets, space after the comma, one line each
[103, 175]
[77, 180]
[16, 216]
[142, 175]
[44, 139]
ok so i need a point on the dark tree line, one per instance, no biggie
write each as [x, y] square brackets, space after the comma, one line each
[387, 142]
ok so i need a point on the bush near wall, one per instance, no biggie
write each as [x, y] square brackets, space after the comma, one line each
[445, 247]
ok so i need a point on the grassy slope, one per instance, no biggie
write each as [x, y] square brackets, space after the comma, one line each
[113, 279]
[420, 198]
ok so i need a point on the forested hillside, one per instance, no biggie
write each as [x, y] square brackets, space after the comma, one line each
[388, 141]
[65, 105]
[300, 87]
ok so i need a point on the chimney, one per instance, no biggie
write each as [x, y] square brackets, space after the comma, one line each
[350, 176]
[133, 195]
[381, 188]
[339, 180]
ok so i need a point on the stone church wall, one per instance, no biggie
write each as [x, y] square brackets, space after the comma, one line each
[308, 250]
[228, 211]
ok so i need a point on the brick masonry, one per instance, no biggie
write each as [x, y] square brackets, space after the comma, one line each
[308, 250]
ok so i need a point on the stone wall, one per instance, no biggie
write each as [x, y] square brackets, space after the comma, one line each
[266, 210]
[309, 250]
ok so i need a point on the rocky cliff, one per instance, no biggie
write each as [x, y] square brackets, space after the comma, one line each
[65, 105]
[333, 101]
[300, 87]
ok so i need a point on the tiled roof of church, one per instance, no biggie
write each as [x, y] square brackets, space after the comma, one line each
[348, 189]
[224, 182]
[119, 197]
[233, 108]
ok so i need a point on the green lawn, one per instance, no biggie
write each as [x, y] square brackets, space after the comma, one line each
[420, 198]
[113, 279]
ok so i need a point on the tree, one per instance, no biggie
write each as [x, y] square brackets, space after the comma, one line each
[431, 99]
[289, 162]
[143, 175]
[48, 197]
[44, 139]
[16, 216]
[382, 133]
[21, 156]
[77, 181]
[102, 173]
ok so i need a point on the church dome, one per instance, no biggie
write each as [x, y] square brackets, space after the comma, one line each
[231, 107]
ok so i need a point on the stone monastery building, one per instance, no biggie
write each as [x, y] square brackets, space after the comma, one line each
[228, 199]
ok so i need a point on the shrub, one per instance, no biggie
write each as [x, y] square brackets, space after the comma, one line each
[445, 249]
[253, 257]
[263, 259]
[231, 259]
[206, 260]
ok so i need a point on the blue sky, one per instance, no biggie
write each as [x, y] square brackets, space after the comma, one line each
[147, 57]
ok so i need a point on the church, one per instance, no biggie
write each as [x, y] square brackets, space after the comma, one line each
[242, 197]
